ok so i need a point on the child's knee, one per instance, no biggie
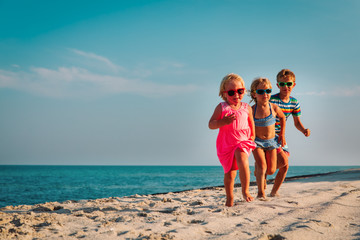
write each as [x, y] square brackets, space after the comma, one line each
[282, 160]
[270, 171]
[231, 175]
[261, 167]
[285, 167]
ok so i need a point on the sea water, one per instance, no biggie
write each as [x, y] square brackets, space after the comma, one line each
[38, 184]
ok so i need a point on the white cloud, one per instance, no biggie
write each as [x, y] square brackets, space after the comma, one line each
[337, 92]
[106, 61]
[168, 64]
[143, 69]
[348, 92]
[79, 82]
[312, 93]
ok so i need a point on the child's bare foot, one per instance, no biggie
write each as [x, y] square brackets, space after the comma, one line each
[229, 202]
[274, 194]
[248, 197]
[262, 198]
[261, 195]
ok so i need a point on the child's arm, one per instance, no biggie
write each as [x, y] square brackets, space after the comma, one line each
[300, 126]
[251, 124]
[216, 121]
[282, 118]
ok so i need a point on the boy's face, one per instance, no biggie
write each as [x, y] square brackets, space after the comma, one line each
[284, 85]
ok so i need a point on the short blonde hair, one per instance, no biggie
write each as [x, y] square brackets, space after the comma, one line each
[225, 80]
[255, 84]
[285, 74]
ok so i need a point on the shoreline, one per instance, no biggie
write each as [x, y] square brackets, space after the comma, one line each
[236, 185]
[253, 183]
[325, 206]
[29, 195]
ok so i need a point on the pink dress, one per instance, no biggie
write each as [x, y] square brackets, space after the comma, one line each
[233, 136]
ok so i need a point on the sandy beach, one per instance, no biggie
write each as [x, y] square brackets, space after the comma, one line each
[315, 207]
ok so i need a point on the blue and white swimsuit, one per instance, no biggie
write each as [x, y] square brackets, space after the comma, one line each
[266, 144]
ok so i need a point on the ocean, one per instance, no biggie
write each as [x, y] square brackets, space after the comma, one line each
[38, 184]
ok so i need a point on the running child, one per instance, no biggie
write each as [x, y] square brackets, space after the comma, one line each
[267, 142]
[236, 136]
[290, 106]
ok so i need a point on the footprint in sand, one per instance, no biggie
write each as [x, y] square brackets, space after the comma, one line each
[170, 210]
[271, 237]
[321, 223]
[196, 203]
[190, 212]
[197, 221]
[124, 219]
[167, 224]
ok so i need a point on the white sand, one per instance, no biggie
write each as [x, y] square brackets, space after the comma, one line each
[324, 207]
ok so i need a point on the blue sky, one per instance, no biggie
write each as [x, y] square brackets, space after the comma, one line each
[135, 82]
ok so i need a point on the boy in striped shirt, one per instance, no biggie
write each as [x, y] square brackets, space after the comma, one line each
[290, 106]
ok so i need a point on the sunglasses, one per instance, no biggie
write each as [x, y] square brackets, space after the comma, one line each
[282, 84]
[232, 91]
[262, 91]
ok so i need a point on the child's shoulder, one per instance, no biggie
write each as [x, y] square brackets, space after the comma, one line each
[276, 99]
[223, 104]
[293, 100]
[275, 96]
[245, 105]
[273, 105]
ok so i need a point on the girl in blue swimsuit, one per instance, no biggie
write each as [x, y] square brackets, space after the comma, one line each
[267, 142]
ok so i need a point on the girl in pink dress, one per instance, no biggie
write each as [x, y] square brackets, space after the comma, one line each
[235, 140]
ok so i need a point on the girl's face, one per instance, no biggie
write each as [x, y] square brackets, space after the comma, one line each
[234, 92]
[263, 93]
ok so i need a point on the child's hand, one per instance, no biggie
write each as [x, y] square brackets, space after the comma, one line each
[306, 132]
[229, 118]
[282, 140]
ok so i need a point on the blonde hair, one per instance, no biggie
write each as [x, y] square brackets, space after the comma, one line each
[285, 74]
[255, 84]
[225, 80]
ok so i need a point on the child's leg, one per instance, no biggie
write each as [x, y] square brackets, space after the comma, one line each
[244, 172]
[260, 160]
[265, 182]
[283, 166]
[229, 179]
[255, 169]
[271, 161]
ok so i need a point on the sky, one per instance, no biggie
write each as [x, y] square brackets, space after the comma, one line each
[136, 82]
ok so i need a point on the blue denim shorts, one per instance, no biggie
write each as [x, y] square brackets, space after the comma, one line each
[286, 148]
[267, 144]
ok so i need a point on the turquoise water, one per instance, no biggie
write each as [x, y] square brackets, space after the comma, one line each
[39, 184]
